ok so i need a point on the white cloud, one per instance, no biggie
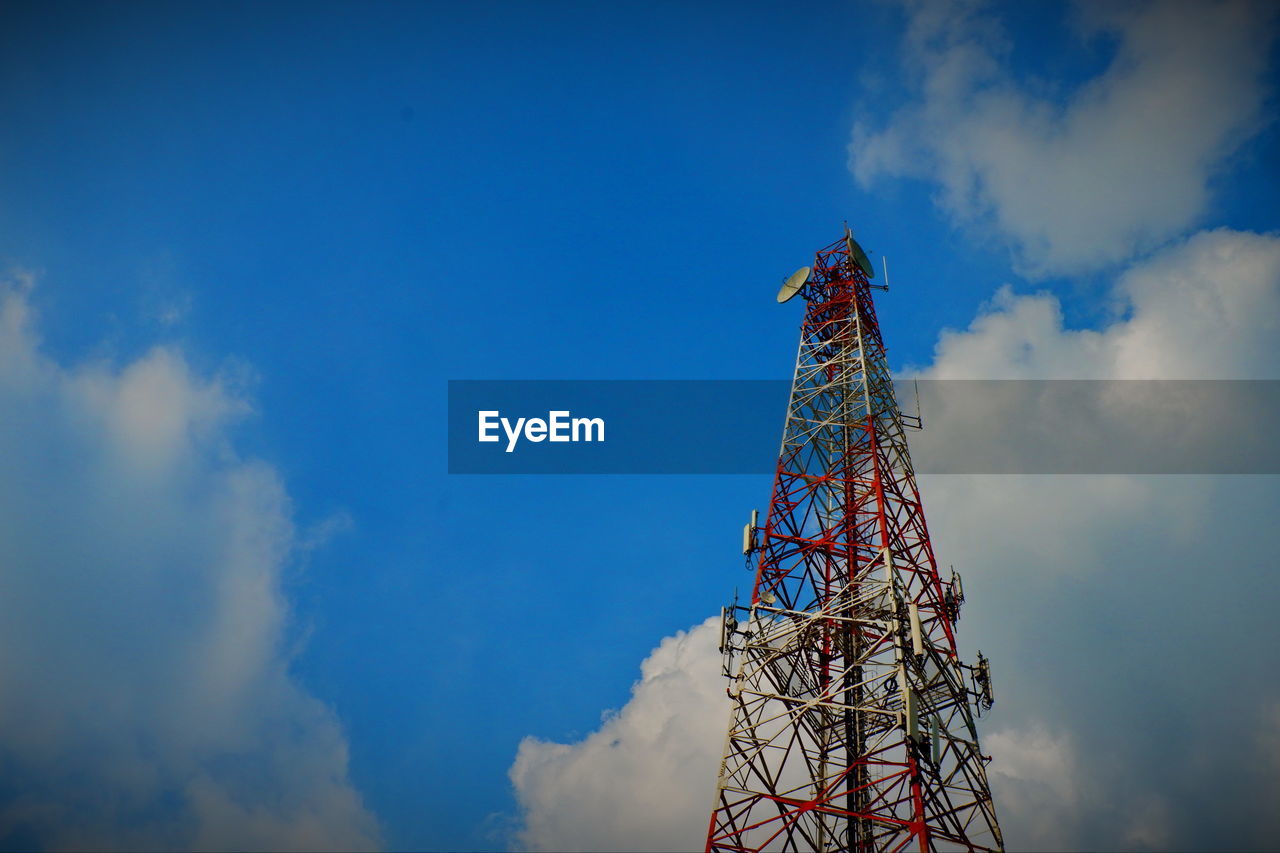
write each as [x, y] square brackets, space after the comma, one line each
[1095, 594]
[1035, 783]
[145, 694]
[1202, 309]
[1206, 308]
[646, 779]
[1085, 180]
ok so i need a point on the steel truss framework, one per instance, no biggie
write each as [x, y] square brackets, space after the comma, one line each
[852, 726]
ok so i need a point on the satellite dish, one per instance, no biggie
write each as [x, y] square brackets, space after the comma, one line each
[793, 284]
[856, 254]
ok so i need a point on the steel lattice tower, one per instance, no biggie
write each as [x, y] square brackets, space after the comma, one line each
[853, 718]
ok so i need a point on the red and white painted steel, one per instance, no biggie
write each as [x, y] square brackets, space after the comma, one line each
[853, 718]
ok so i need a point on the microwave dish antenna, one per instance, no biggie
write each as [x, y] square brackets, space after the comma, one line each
[856, 255]
[794, 282]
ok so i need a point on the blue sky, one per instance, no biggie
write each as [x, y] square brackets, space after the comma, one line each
[336, 208]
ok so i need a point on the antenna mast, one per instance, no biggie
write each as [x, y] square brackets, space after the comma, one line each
[853, 721]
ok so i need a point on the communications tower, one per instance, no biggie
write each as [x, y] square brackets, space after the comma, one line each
[852, 725]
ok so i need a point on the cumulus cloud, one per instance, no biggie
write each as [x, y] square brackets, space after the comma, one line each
[145, 694]
[1086, 178]
[1035, 782]
[1090, 591]
[1205, 308]
[645, 779]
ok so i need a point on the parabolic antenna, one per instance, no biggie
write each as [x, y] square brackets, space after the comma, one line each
[856, 254]
[794, 282]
